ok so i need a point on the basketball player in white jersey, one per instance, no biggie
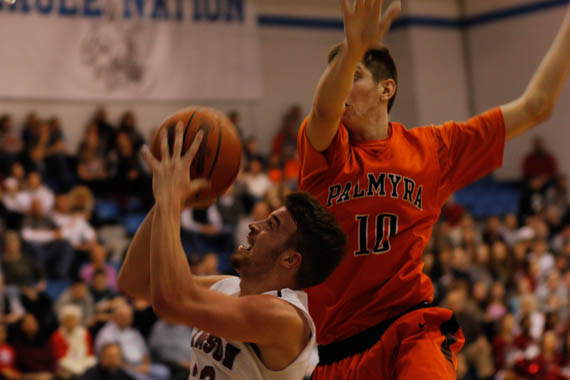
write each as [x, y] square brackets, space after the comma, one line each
[255, 326]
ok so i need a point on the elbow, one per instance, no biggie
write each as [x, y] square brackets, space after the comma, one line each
[539, 107]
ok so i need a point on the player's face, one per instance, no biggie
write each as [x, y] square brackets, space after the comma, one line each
[266, 240]
[363, 100]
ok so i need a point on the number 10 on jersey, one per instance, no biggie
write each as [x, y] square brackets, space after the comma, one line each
[385, 227]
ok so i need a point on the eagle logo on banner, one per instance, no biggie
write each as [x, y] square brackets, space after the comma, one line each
[113, 50]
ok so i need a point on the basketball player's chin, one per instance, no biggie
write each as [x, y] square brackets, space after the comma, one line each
[240, 259]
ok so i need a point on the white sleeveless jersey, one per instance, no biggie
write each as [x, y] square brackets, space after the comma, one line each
[215, 358]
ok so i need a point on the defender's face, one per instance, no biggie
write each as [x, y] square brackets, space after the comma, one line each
[363, 99]
[267, 238]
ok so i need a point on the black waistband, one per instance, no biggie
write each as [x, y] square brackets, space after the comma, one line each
[360, 342]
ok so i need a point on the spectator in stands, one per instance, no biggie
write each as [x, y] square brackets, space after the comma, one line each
[72, 344]
[111, 365]
[92, 164]
[504, 348]
[78, 294]
[169, 345]
[16, 203]
[34, 353]
[251, 150]
[129, 173]
[36, 190]
[497, 307]
[127, 125]
[11, 310]
[202, 230]
[45, 241]
[509, 230]
[8, 368]
[37, 302]
[539, 162]
[230, 207]
[75, 229]
[491, 234]
[133, 346]
[98, 257]
[544, 259]
[534, 326]
[285, 141]
[11, 145]
[207, 265]
[100, 290]
[20, 269]
[144, 316]
[105, 130]
[255, 179]
[18, 172]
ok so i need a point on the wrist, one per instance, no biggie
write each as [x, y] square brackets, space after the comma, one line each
[354, 52]
[169, 205]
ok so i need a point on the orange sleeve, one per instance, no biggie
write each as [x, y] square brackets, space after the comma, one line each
[469, 150]
[313, 165]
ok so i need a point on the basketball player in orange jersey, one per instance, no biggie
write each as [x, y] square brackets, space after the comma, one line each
[386, 185]
[250, 327]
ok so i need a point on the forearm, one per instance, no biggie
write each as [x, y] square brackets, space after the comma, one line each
[134, 277]
[170, 275]
[335, 84]
[546, 84]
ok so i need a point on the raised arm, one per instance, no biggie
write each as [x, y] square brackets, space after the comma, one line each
[175, 296]
[364, 27]
[538, 101]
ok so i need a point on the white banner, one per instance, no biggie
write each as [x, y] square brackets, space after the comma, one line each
[129, 50]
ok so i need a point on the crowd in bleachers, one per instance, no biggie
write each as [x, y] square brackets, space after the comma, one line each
[67, 216]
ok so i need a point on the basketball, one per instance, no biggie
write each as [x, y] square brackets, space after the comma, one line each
[219, 157]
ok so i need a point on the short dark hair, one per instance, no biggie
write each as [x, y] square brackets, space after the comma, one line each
[319, 239]
[380, 63]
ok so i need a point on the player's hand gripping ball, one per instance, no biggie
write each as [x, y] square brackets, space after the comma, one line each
[219, 157]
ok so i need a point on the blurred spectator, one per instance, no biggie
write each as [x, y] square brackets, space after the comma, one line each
[251, 150]
[11, 310]
[78, 294]
[127, 125]
[504, 349]
[144, 316]
[99, 288]
[509, 230]
[92, 165]
[15, 202]
[492, 233]
[36, 302]
[533, 197]
[98, 257]
[532, 320]
[105, 130]
[285, 141]
[169, 345]
[256, 181]
[8, 368]
[11, 145]
[230, 207]
[543, 258]
[36, 190]
[133, 346]
[19, 269]
[73, 225]
[45, 242]
[539, 162]
[34, 353]
[203, 230]
[72, 344]
[207, 265]
[111, 365]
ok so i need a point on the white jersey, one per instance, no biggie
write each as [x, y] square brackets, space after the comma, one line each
[215, 358]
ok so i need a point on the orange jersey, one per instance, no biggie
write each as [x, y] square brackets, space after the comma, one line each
[387, 194]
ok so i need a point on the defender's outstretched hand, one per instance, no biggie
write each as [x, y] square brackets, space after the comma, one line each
[364, 23]
[171, 182]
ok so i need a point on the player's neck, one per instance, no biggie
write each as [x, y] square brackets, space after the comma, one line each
[376, 127]
[248, 288]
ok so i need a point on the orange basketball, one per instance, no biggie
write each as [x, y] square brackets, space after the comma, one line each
[219, 156]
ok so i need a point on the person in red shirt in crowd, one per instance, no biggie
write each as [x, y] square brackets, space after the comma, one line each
[7, 357]
[539, 162]
[386, 186]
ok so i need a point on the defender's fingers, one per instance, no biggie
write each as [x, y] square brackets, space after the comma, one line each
[391, 13]
[148, 158]
[164, 151]
[191, 152]
[179, 131]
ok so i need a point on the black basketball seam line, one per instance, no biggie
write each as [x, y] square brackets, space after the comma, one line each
[188, 125]
[217, 151]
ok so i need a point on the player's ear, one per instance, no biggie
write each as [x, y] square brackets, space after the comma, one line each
[291, 259]
[387, 89]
